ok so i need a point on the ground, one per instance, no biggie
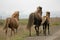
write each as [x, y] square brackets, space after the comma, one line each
[54, 35]
[22, 33]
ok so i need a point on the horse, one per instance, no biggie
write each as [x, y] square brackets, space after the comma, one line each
[12, 22]
[46, 22]
[35, 19]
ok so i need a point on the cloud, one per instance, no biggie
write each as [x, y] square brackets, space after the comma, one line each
[27, 6]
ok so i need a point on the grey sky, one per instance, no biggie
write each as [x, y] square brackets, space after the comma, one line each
[7, 7]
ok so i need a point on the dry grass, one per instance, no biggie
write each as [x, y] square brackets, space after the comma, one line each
[22, 31]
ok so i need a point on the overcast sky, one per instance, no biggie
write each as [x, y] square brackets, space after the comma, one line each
[7, 7]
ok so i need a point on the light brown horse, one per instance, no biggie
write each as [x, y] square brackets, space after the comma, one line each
[12, 22]
[46, 23]
[35, 19]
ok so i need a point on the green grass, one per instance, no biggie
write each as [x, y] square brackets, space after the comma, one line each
[2, 22]
[23, 33]
[23, 21]
[20, 36]
[55, 23]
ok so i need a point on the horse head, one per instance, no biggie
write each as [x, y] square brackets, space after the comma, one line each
[48, 14]
[16, 15]
[39, 10]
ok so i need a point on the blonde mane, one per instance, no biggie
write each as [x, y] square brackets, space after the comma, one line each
[15, 15]
[12, 22]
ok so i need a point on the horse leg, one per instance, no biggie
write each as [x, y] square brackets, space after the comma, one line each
[48, 29]
[6, 31]
[29, 31]
[37, 30]
[44, 29]
[16, 30]
[13, 30]
[35, 27]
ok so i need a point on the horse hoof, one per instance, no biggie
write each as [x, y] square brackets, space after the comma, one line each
[30, 35]
[37, 35]
[44, 34]
[48, 33]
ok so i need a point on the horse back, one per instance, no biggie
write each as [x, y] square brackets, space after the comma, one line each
[11, 23]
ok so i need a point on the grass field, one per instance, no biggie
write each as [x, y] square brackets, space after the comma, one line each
[54, 21]
[22, 31]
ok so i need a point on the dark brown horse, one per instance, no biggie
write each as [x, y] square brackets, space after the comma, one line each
[46, 23]
[35, 19]
[12, 22]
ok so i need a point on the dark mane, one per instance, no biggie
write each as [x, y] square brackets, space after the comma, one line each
[35, 19]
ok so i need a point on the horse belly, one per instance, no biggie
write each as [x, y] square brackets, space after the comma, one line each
[37, 22]
[13, 25]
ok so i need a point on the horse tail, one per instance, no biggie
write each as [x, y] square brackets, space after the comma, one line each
[30, 21]
[6, 24]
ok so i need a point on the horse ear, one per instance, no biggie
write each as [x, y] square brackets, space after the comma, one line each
[16, 13]
[48, 13]
[39, 7]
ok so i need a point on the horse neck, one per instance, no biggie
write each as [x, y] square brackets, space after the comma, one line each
[48, 18]
[16, 17]
[38, 16]
[40, 13]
